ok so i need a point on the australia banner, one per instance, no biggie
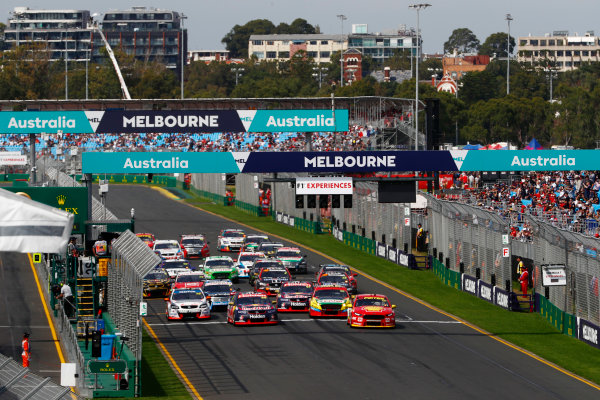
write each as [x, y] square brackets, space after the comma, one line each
[175, 121]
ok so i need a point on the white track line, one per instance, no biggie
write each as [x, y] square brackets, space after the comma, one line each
[398, 321]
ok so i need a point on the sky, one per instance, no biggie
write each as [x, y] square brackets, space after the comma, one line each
[210, 20]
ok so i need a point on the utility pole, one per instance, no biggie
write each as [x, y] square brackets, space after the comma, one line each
[417, 7]
[508, 19]
[342, 18]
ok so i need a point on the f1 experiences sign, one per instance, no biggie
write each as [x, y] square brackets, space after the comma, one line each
[184, 121]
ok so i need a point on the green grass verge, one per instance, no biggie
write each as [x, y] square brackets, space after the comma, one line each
[527, 330]
[158, 378]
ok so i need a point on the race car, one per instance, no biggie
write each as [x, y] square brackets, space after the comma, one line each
[252, 241]
[147, 238]
[220, 267]
[196, 246]
[230, 239]
[371, 310]
[245, 261]
[218, 291]
[251, 309]
[343, 268]
[189, 280]
[293, 259]
[260, 263]
[329, 301]
[269, 280]
[269, 248]
[175, 267]
[169, 249]
[337, 278]
[187, 303]
[294, 296]
[156, 283]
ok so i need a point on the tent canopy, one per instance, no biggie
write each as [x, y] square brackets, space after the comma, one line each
[27, 226]
[533, 145]
[472, 147]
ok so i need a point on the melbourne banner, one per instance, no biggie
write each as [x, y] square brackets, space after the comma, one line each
[341, 162]
[181, 121]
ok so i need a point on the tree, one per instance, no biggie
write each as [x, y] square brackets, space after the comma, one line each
[462, 39]
[496, 44]
[236, 41]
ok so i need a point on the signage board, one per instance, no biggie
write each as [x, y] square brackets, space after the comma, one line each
[107, 367]
[167, 121]
[69, 199]
[505, 252]
[8, 159]
[143, 309]
[554, 275]
[324, 185]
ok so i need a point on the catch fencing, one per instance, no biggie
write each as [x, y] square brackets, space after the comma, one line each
[131, 260]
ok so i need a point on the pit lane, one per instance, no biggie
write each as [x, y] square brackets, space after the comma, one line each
[428, 355]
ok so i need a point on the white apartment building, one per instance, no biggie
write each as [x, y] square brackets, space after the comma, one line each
[320, 47]
[565, 51]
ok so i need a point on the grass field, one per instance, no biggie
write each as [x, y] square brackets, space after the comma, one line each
[527, 330]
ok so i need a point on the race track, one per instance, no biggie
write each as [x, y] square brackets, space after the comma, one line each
[428, 356]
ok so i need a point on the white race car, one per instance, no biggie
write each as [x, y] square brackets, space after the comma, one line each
[169, 249]
[245, 261]
[187, 303]
[231, 239]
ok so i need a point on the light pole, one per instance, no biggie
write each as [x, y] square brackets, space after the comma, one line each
[417, 7]
[508, 19]
[342, 17]
[318, 74]
[66, 68]
[238, 72]
[182, 17]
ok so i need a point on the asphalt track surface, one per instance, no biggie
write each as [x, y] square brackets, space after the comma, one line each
[428, 356]
[21, 310]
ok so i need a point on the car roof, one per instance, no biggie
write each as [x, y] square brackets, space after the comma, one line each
[366, 296]
[232, 230]
[330, 286]
[288, 249]
[192, 273]
[252, 253]
[251, 294]
[218, 258]
[144, 234]
[297, 283]
[194, 236]
[218, 282]
[159, 241]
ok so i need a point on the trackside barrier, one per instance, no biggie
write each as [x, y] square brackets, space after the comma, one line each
[564, 322]
[13, 177]
[168, 181]
[249, 208]
[215, 198]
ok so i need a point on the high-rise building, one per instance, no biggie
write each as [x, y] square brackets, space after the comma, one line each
[148, 34]
[61, 33]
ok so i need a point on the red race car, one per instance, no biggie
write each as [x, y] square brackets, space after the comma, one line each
[251, 309]
[372, 310]
[147, 238]
[294, 296]
[195, 245]
[189, 280]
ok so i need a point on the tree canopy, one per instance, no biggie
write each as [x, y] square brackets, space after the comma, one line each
[463, 40]
[496, 44]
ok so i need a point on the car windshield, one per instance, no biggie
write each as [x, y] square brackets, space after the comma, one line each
[268, 264]
[192, 242]
[342, 268]
[157, 275]
[290, 253]
[177, 264]
[217, 288]
[190, 278]
[254, 301]
[270, 246]
[247, 257]
[331, 294]
[218, 263]
[233, 234]
[277, 274]
[188, 295]
[289, 289]
[372, 301]
[256, 239]
[333, 279]
[163, 246]
[146, 238]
